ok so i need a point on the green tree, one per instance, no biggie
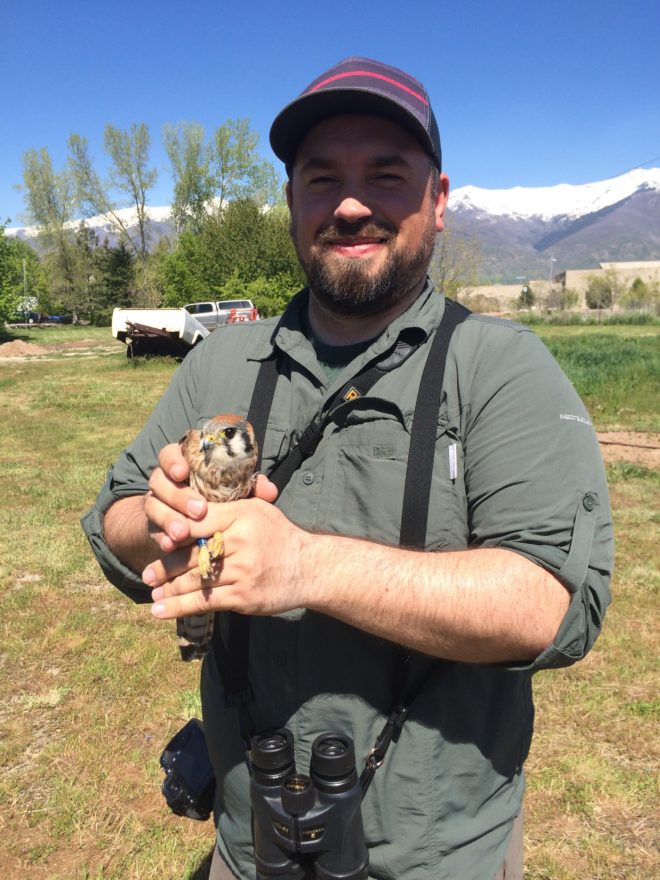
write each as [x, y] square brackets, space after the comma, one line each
[92, 195]
[130, 173]
[527, 298]
[456, 263]
[604, 289]
[74, 290]
[242, 243]
[113, 282]
[49, 195]
[641, 295]
[130, 176]
[193, 184]
[21, 276]
[599, 293]
[237, 171]
[49, 199]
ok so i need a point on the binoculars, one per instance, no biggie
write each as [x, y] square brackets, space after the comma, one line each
[307, 823]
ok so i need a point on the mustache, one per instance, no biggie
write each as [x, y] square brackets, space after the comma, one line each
[355, 231]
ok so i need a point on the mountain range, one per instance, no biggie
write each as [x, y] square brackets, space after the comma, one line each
[539, 231]
[522, 231]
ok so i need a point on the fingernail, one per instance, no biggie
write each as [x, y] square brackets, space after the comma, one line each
[195, 506]
[178, 473]
[149, 576]
[176, 530]
[157, 593]
[158, 610]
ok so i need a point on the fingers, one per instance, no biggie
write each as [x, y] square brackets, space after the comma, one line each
[199, 602]
[166, 526]
[170, 503]
[188, 593]
[264, 489]
[171, 566]
[179, 496]
[173, 463]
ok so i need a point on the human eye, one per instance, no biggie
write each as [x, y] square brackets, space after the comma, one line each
[321, 180]
[388, 178]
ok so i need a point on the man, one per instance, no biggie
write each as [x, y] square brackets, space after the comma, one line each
[516, 477]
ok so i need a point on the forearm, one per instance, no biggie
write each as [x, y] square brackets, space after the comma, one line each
[126, 532]
[486, 605]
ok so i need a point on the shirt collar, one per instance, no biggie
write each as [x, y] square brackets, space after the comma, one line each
[425, 313]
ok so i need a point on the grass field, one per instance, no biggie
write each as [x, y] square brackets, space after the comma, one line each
[94, 688]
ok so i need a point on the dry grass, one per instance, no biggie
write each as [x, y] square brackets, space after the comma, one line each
[94, 689]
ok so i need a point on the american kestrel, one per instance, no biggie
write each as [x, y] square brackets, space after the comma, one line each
[222, 458]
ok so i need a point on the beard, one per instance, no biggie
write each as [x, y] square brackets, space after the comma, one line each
[349, 287]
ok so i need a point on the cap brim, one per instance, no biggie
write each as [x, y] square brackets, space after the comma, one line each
[297, 118]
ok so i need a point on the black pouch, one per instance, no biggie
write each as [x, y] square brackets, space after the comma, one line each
[189, 784]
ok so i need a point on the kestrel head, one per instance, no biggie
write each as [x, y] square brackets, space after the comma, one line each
[225, 439]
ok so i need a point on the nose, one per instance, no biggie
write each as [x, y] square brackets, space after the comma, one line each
[352, 208]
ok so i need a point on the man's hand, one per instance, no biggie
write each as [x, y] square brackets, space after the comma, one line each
[258, 573]
[175, 512]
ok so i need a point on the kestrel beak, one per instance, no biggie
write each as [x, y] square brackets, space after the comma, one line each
[206, 444]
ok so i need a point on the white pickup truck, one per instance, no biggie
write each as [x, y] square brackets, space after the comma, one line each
[228, 311]
[157, 331]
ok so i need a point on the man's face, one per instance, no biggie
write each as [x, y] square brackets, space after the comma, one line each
[363, 212]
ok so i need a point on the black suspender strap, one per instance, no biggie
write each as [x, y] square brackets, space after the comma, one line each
[417, 491]
[262, 400]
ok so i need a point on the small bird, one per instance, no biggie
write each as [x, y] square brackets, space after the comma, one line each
[222, 458]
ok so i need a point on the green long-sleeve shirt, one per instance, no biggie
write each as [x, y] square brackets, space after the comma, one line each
[517, 466]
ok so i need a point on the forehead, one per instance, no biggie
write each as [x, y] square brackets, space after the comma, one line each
[353, 135]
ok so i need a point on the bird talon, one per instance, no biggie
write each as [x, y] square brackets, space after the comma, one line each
[205, 563]
[216, 546]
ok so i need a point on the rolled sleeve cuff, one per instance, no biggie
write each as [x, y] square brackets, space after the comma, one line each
[586, 573]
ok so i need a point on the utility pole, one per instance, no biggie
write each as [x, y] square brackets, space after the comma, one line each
[25, 299]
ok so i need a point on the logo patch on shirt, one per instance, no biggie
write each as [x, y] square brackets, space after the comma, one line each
[382, 452]
[568, 417]
[352, 393]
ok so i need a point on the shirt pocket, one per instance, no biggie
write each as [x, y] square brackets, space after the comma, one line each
[365, 478]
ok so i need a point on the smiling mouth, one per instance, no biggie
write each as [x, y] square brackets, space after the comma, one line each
[355, 247]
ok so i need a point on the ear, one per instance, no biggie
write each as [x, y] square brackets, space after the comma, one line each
[289, 193]
[441, 202]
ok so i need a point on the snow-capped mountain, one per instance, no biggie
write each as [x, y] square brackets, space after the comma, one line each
[554, 202]
[520, 231]
[104, 227]
[533, 231]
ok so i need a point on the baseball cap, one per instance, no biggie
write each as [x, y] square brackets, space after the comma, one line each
[358, 85]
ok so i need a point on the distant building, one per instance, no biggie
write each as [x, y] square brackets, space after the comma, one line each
[503, 297]
[578, 279]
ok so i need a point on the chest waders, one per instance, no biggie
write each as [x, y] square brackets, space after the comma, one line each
[232, 654]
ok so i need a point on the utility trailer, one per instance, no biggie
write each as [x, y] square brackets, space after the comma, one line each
[157, 331]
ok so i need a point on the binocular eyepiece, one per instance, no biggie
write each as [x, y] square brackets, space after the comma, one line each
[305, 821]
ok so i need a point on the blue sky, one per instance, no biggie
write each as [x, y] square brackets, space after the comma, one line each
[528, 93]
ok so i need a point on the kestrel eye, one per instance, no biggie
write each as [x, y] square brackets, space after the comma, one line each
[229, 433]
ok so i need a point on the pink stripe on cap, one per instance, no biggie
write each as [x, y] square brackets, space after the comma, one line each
[386, 79]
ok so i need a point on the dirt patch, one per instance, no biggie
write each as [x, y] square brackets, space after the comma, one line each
[636, 448]
[18, 348]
